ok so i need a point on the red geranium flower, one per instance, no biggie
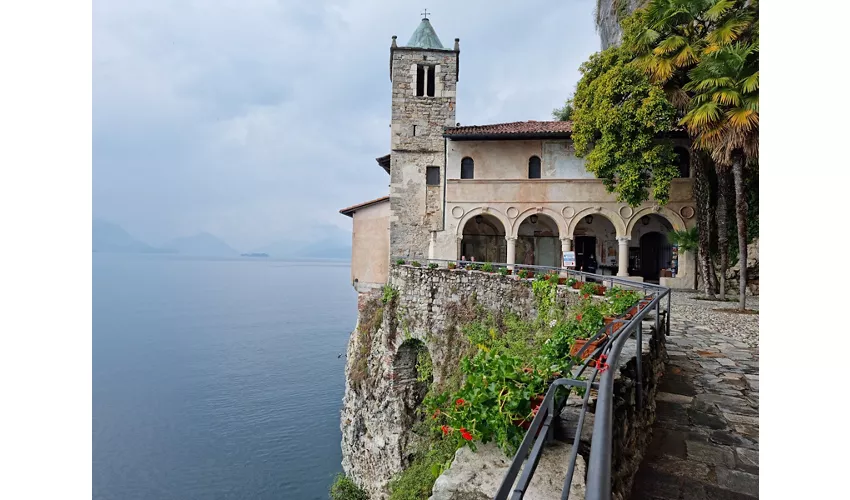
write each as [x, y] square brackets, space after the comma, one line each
[466, 435]
[459, 401]
[578, 317]
[436, 413]
[446, 429]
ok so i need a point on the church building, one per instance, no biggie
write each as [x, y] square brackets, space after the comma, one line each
[504, 192]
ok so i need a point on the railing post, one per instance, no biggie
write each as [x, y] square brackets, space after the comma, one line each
[638, 356]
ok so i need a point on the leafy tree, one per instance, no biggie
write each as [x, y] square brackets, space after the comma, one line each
[618, 117]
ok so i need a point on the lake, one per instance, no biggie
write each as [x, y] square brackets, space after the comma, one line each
[217, 379]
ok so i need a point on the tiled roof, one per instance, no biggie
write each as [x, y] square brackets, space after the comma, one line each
[384, 162]
[513, 129]
[349, 211]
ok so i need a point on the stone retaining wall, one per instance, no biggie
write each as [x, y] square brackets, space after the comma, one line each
[379, 407]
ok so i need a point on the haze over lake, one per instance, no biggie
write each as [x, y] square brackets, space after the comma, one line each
[217, 378]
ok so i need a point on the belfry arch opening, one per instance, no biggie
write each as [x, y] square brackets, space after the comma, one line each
[595, 245]
[650, 251]
[484, 239]
[538, 241]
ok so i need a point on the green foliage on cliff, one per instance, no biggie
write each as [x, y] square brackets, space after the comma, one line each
[344, 488]
[430, 460]
[619, 119]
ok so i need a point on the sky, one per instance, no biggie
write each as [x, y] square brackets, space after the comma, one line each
[251, 119]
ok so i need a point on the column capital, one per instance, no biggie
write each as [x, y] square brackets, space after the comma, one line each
[510, 238]
[623, 239]
[566, 238]
[460, 237]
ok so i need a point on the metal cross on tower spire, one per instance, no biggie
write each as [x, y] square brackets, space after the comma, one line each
[425, 14]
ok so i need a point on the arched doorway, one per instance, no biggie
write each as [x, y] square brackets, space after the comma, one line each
[650, 251]
[595, 244]
[484, 239]
[537, 241]
[412, 373]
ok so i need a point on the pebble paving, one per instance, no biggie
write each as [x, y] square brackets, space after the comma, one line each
[706, 432]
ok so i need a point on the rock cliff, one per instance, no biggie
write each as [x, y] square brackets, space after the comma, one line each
[609, 13]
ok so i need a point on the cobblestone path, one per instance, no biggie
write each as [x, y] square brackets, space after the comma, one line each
[706, 433]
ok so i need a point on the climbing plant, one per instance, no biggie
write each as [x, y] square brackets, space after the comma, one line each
[619, 120]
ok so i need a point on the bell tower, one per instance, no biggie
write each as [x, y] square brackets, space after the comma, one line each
[424, 77]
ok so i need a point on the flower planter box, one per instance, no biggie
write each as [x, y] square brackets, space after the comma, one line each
[612, 325]
[526, 424]
[562, 281]
[577, 285]
[579, 343]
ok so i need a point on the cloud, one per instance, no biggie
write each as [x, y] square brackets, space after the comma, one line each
[252, 118]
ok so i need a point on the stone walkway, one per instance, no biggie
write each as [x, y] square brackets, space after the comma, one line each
[706, 433]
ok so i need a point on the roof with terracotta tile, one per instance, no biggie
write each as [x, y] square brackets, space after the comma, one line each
[349, 211]
[513, 129]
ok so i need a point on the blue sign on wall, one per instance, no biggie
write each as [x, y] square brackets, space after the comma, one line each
[569, 259]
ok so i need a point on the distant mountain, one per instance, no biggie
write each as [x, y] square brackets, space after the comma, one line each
[318, 242]
[112, 238]
[202, 245]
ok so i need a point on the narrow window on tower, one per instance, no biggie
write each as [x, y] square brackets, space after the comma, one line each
[534, 167]
[430, 81]
[420, 80]
[432, 176]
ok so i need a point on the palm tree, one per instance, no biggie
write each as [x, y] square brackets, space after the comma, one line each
[668, 39]
[687, 240]
[724, 120]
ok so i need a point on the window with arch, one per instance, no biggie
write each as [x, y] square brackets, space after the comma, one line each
[683, 161]
[534, 167]
[467, 168]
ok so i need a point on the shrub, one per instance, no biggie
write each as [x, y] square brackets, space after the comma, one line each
[475, 267]
[399, 262]
[390, 294]
[415, 263]
[344, 488]
[588, 288]
[416, 482]
[487, 267]
[553, 278]
[571, 282]
[433, 265]
[452, 265]
[503, 271]
[522, 273]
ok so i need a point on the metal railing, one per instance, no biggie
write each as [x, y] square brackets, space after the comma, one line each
[541, 430]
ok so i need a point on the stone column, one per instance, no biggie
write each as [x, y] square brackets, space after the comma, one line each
[511, 252]
[459, 247]
[566, 246]
[623, 256]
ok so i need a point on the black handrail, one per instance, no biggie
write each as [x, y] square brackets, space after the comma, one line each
[598, 484]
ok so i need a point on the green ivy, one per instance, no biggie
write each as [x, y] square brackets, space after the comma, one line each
[617, 117]
[390, 294]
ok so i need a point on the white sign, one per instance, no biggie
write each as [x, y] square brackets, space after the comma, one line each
[569, 259]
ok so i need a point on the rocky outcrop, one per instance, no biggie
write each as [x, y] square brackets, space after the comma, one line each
[733, 274]
[385, 386]
[478, 474]
[609, 13]
[382, 392]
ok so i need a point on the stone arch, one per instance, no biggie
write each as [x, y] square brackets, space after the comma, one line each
[410, 379]
[555, 216]
[506, 223]
[672, 217]
[614, 218]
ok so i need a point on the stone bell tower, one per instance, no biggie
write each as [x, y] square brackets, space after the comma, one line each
[424, 78]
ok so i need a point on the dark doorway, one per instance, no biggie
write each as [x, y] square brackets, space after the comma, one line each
[585, 247]
[655, 255]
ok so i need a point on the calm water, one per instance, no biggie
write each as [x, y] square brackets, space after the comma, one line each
[217, 379]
